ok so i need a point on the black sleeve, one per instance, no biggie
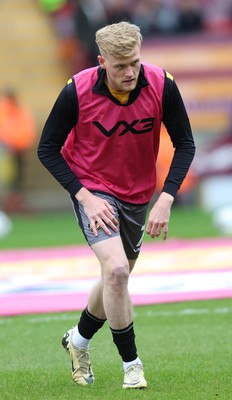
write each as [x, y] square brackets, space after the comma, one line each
[62, 119]
[177, 123]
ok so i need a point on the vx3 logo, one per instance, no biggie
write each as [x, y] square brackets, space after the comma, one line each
[143, 126]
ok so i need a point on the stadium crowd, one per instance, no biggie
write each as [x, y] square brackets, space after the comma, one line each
[76, 21]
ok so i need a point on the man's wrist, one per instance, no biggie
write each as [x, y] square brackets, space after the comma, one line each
[166, 197]
[82, 194]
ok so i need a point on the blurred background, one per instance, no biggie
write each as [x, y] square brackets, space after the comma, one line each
[44, 42]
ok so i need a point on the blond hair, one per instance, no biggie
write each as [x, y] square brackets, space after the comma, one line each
[118, 39]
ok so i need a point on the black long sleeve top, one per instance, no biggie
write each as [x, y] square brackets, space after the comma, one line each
[64, 116]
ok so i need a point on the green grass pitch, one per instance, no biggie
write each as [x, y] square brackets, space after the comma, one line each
[186, 349]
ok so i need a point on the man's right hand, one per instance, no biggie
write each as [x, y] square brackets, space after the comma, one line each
[99, 211]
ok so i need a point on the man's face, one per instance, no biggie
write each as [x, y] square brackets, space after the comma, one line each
[122, 72]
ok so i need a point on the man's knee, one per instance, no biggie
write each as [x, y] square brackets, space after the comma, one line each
[117, 277]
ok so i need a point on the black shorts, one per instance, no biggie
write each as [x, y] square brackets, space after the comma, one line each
[131, 223]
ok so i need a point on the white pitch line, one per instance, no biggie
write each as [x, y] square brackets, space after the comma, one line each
[148, 314]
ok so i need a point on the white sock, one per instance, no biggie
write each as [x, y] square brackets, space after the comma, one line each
[79, 341]
[129, 363]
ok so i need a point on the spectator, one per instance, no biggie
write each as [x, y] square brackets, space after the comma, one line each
[89, 15]
[17, 135]
[117, 10]
[217, 15]
[51, 6]
[144, 14]
[190, 16]
[167, 18]
[62, 15]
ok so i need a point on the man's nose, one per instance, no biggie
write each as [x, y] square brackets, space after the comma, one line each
[129, 71]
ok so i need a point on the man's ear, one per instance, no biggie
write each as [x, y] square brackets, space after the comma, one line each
[101, 61]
